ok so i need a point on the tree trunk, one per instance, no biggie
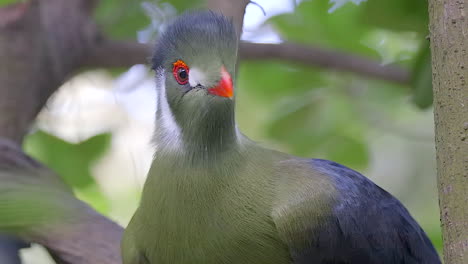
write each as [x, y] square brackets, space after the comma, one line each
[449, 44]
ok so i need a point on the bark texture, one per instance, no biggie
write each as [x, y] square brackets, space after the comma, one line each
[449, 44]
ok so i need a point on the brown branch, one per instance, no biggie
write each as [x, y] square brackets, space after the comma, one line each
[88, 238]
[320, 57]
[125, 54]
[117, 53]
[89, 5]
[72, 231]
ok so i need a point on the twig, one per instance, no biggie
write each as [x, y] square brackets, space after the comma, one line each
[259, 6]
[115, 53]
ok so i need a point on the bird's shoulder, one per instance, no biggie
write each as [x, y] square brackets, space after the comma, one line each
[328, 213]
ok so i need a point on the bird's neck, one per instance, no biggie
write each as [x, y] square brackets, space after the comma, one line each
[210, 133]
[197, 136]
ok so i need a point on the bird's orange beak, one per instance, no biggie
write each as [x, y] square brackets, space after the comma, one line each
[224, 87]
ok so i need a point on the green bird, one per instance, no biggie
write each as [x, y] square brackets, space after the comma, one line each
[214, 196]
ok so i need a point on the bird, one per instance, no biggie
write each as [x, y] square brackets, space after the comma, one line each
[212, 195]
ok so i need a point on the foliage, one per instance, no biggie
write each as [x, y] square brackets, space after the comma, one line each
[121, 18]
[72, 161]
[422, 78]
[124, 18]
[325, 120]
[400, 15]
[8, 2]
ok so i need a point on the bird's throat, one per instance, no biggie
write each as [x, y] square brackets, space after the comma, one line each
[200, 135]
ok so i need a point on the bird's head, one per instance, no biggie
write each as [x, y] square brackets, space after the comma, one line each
[195, 60]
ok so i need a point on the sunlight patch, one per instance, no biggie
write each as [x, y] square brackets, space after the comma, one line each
[339, 3]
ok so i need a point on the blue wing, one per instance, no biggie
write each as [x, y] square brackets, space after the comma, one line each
[364, 224]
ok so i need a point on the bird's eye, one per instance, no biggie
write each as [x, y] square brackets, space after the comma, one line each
[181, 72]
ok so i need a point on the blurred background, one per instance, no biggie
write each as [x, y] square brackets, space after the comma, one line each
[96, 130]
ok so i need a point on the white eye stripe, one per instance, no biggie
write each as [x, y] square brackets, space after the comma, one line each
[196, 77]
[167, 124]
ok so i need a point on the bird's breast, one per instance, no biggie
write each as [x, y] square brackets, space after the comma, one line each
[196, 216]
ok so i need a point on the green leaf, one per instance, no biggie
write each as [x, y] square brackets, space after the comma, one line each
[9, 2]
[348, 151]
[400, 15]
[124, 18]
[421, 80]
[271, 81]
[321, 123]
[71, 161]
[93, 195]
[311, 23]
[182, 5]
[121, 18]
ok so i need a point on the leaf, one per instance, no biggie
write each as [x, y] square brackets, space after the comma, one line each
[121, 18]
[321, 123]
[311, 23]
[71, 161]
[421, 80]
[93, 195]
[271, 81]
[125, 18]
[182, 5]
[348, 151]
[400, 15]
[9, 2]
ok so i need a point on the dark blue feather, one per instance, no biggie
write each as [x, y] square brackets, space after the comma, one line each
[368, 225]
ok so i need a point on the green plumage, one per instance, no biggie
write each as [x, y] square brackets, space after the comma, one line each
[223, 212]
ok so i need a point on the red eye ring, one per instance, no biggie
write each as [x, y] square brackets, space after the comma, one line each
[180, 72]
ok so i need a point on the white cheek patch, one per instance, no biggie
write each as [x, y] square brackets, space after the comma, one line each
[196, 77]
[170, 131]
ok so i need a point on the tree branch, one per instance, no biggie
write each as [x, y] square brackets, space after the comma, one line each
[117, 53]
[72, 232]
[126, 53]
[325, 58]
